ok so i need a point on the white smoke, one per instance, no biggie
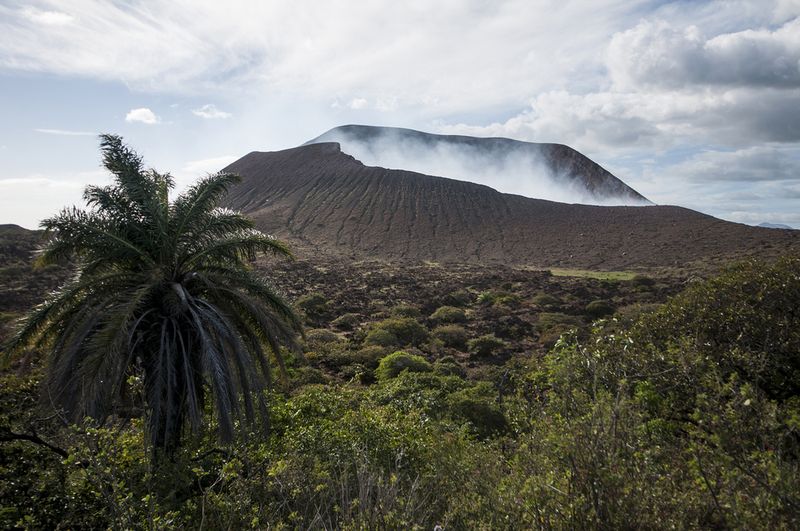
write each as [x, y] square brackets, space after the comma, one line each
[521, 172]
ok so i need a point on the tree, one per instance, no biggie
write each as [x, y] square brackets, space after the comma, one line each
[163, 294]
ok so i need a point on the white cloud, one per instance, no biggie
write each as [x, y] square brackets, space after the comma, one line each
[750, 165]
[64, 132]
[143, 115]
[195, 169]
[658, 54]
[47, 18]
[358, 103]
[210, 111]
[210, 165]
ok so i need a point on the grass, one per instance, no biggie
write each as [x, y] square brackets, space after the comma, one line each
[599, 275]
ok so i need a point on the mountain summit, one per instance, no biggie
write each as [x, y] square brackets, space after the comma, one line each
[542, 171]
[323, 200]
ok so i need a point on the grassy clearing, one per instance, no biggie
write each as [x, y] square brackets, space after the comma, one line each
[599, 275]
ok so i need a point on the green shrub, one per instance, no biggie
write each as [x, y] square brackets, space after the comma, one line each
[486, 345]
[449, 314]
[305, 376]
[397, 331]
[314, 306]
[347, 321]
[381, 337]
[448, 366]
[488, 298]
[745, 320]
[599, 309]
[643, 281]
[320, 336]
[397, 362]
[547, 321]
[459, 298]
[478, 406]
[406, 310]
[451, 335]
[544, 300]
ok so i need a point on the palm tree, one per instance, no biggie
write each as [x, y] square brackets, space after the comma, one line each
[163, 292]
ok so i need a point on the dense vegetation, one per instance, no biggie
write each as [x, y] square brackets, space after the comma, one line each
[685, 415]
[163, 312]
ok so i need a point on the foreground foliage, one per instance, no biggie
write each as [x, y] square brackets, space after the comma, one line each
[687, 418]
[163, 311]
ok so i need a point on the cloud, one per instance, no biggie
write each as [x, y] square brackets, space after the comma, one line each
[143, 115]
[750, 165]
[210, 165]
[358, 103]
[64, 132]
[671, 86]
[195, 169]
[47, 18]
[654, 53]
[438, 53]
[210, 111]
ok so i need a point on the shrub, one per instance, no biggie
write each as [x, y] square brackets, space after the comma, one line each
[397, 331]
[406, 310]
[548, 321]
[347, 321]
[452, 335]
[449, 314]
[381, 337]
[313, 303]
[459, 298]
[599, 309]
[397, 362]
[448, 366]
[478, 406]
[643, 281]
[488, 298]
[544, 300]
[320, 336]
[314, 306]
[485, 345]
[745, 320]
[301, 376]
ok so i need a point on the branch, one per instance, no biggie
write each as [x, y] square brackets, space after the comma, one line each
[6, 435]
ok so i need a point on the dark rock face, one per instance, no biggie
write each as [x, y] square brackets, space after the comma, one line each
[323, 200]
[544, 171]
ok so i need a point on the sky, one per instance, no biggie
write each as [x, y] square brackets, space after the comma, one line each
[692, 103]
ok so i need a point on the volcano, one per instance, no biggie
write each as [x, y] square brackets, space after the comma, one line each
[542, 171]
[321, 199]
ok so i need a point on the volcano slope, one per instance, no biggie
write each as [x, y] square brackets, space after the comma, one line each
[323, 200]
[545, 171]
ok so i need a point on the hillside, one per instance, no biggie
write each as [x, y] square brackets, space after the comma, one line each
[318, 196]
[543, 171]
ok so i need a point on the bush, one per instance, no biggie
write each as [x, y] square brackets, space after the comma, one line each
[347, 321]
[397, 362]
[406, 310]
[599, 309]
[452, 335]
[382, 338]
[459, 298]
[314, 306]
[398, 331]
[478, 406]
[486, 345]
[448, 366]
[449, 314]
[549, 320]
[643, 281]
[321, 336]
[543, 300]
[745, 320]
